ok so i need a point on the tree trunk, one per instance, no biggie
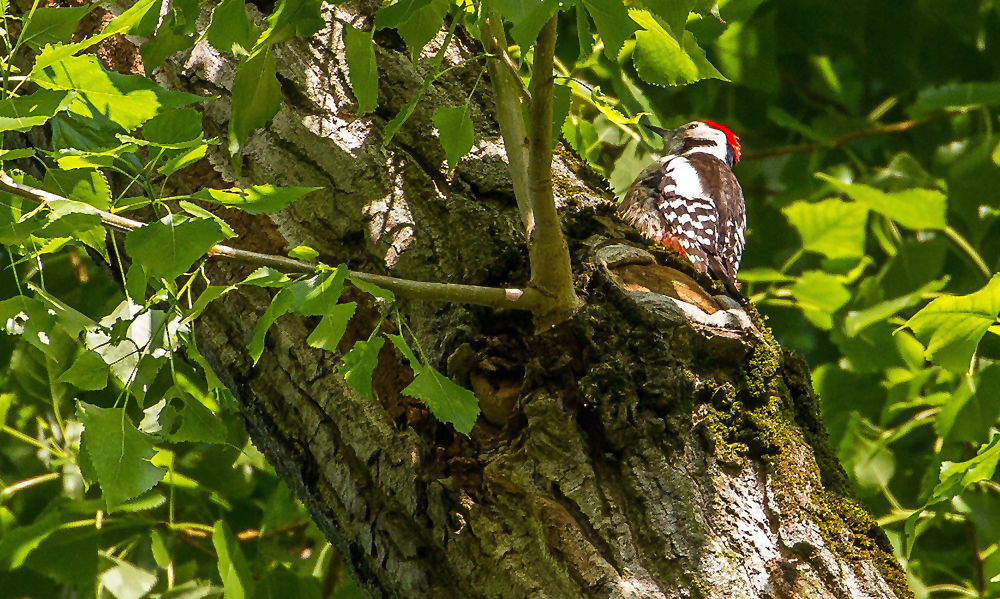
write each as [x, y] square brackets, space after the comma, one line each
[626, 453]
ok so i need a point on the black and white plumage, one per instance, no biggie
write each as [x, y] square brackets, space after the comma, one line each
[691, 202]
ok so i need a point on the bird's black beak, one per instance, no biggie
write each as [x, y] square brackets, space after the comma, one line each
[657, 130]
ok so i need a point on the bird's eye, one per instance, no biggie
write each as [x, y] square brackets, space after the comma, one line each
[692, 126]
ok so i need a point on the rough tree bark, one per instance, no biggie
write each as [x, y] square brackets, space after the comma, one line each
[626, 453]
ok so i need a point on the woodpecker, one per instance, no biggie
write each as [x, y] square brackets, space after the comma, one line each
[691, 202]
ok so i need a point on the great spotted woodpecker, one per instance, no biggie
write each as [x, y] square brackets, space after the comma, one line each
[691, 202]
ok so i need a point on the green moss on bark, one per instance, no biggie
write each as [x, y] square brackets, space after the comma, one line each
[777, 416]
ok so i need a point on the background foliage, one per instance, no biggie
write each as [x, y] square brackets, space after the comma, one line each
[871, 175]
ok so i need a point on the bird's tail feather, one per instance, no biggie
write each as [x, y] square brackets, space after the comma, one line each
[725, 276]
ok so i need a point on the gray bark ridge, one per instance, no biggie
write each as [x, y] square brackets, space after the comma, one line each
[627, 453]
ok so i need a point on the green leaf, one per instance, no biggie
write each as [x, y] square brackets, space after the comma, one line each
[16, 154]
[765, 275]
[360, 363]
[526, 31]
[362, 68]
[660, 60]
[280, 583]
[970, 413]
[183, 159]
[186, 14]
[446, 400]
[68, 219]
[864, 454]
[6, 401]
[119, 453]
[70, 159]
[584, 34]
[397, 13]
[951, 327]
[88, 372]
[173, 127]
[211, 293]
[857, 320]
[82, 185]
[371, 288]
[393, 126]
[613, 24]
[233, 567]
[912, 208]
[331, 328]
[51, 25]
[265, 276]
[73, 219]
[29, 318]
[960, 96]
[130, 328]
[454, 125]
[280, 305]
[303, 252]
[292, 18]
[127, 100]
[161, 555]
[514, 11]
[139, 19]
[17, 543]
[674, 14]
[158, 420]
[417, 21]
[256, 199]
[404, 349]
[68, 556]
[831, 227]
[198, 424]
[317, 295]
[171, 37]
[200, 213]
[562, 97]
[230, 30]
[954, 478]
[167, 248]
[136, 282]
[782, 118]
[24, 112]
[126, 581]
[256, 98]
[819, 295]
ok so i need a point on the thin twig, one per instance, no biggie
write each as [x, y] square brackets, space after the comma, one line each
[496, 297]
[499, 51]
[512, 129]
[847, 137]
[551, 272]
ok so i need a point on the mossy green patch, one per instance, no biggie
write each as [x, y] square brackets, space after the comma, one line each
[779, 415]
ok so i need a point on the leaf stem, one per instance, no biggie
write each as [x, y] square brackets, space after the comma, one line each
[497, 297]
[970, 251]
[28, 483]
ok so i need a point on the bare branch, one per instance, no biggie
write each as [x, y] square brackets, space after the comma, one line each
[515, 136]
[847, 137]
[496, 297]
[499, 52]
[551, 272]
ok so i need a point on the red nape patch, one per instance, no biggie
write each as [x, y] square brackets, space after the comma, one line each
[730, 137]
